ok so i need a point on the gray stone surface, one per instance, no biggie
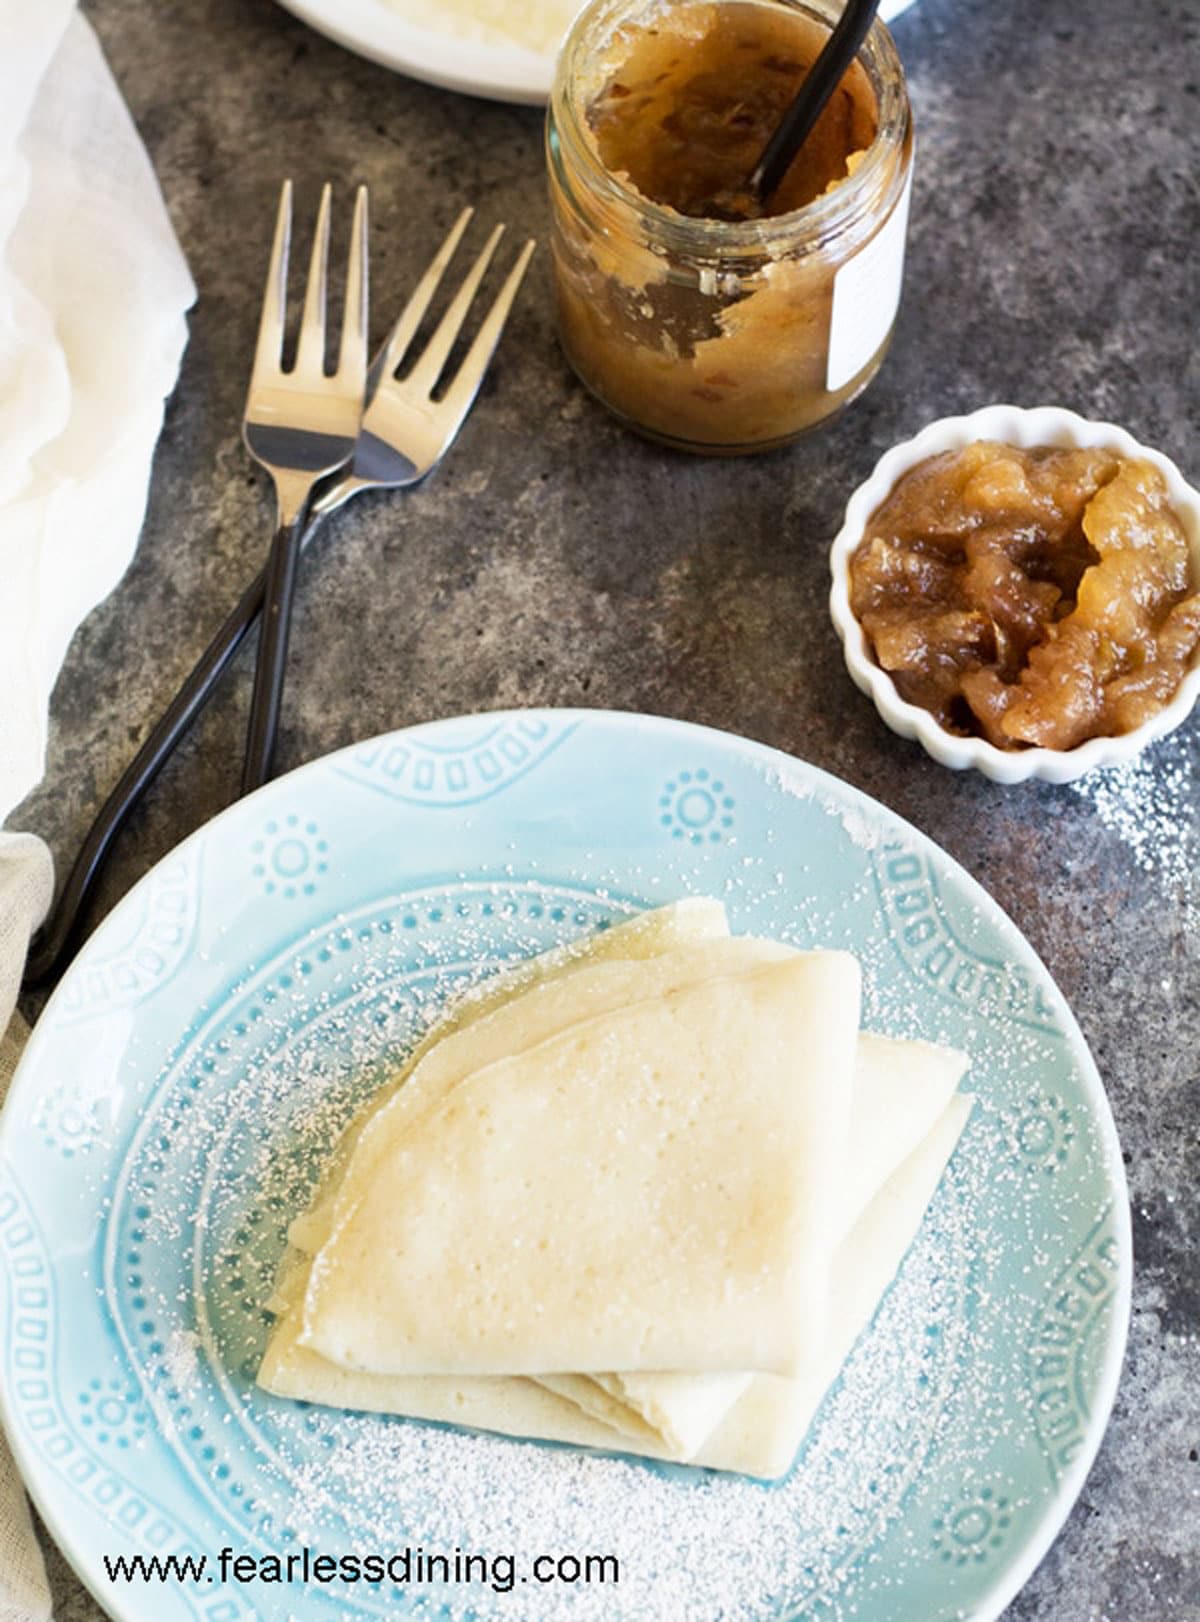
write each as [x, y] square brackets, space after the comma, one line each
[557, 560]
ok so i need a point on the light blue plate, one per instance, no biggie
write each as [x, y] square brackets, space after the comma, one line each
[183, 1083]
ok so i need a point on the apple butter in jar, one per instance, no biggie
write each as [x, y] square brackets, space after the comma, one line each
[696, 315]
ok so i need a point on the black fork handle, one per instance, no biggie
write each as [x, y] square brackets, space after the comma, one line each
[54, 941]
[57, 934]
[278, 594]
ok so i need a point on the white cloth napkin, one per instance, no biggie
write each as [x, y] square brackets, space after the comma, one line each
[93, 294]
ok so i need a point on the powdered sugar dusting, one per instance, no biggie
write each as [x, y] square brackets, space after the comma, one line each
[928, 1433]
[689, 1543]
[1151, 806]
[860, 828]
[182, 1358]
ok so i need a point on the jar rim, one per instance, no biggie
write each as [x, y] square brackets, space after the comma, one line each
[696, 235]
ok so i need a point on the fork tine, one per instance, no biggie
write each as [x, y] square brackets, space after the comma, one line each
[310, 352]
[270, 324]
[352, 358]
[411, 316]
[470, 374]
[426, 372]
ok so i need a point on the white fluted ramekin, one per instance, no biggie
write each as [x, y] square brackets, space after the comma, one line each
[1044, 425]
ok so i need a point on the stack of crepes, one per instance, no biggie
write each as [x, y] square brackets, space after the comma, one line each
[639, 1194]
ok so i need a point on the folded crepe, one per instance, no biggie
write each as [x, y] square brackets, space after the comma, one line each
[901, 1090]
[647, 957]
[903, 1130]
[760, 1433]
[650, 1188]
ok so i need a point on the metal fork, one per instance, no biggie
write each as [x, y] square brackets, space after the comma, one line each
[408, 425]
[301, 425]
[378, 463]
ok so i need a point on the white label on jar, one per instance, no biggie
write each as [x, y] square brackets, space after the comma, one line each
[866, 296]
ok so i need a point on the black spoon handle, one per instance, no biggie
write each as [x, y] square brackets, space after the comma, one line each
[819, 84]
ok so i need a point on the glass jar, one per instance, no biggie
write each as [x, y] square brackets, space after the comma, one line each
[721, 335]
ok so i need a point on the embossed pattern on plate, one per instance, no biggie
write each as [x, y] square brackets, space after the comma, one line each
[180, 1090]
